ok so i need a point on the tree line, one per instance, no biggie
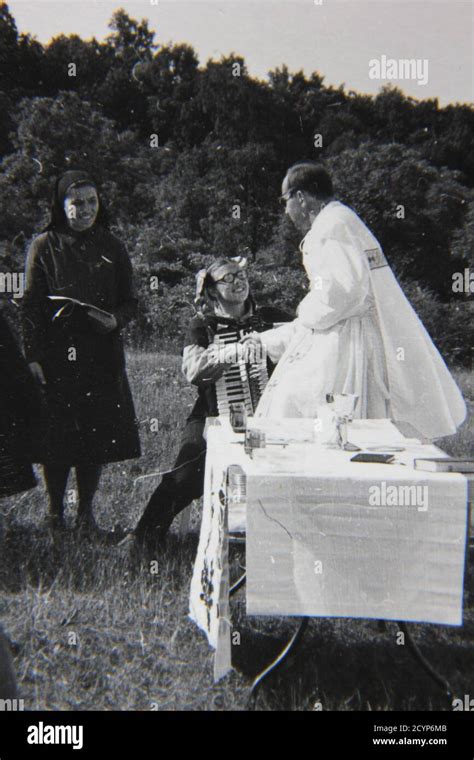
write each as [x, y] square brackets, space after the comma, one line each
[190, 159]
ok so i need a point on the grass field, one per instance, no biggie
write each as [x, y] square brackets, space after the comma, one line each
[94, 629]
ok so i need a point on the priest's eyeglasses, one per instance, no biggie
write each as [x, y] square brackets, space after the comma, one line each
[286, 197]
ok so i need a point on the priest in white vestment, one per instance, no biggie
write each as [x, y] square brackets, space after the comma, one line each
[355, 331]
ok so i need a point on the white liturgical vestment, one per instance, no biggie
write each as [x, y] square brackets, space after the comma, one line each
[356, 332]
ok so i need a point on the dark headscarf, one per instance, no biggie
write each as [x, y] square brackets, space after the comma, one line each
[71, 178]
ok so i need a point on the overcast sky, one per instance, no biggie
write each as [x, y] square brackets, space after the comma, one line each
[337, 38]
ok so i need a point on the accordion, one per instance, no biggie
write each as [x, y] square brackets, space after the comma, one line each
[242, 382]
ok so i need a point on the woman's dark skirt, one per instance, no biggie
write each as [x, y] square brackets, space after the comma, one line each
[88, 426]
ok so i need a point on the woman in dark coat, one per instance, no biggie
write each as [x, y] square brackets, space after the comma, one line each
[19, 406]
[75, 350]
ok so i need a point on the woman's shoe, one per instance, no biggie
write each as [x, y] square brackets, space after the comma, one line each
[86, 526]
[56, 523]
[154, 537]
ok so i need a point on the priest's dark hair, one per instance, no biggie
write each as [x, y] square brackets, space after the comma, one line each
[312, 177]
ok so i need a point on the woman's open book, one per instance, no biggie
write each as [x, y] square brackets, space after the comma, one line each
[93, 311]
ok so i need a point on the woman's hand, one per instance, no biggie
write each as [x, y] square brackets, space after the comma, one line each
[37, 371]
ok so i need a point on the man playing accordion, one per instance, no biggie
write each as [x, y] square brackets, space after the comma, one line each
[212, 352]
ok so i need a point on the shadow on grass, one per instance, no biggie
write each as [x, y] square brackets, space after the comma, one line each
[32, 555]
[28, 556]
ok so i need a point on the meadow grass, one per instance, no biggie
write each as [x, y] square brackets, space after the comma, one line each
[94, 628]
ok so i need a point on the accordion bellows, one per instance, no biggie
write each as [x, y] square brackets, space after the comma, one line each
[241, 382]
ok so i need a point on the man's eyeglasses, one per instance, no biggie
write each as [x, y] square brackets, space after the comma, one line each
[286, 197]
[231, 276]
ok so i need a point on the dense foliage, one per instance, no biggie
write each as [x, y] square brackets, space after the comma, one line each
[190, 160]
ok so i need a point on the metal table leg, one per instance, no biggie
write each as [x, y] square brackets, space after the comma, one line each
[421, 659]
[291, 646]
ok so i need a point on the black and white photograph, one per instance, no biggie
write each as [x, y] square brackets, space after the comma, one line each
[236, 366]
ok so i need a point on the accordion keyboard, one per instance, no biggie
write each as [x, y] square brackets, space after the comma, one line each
[241, 382]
